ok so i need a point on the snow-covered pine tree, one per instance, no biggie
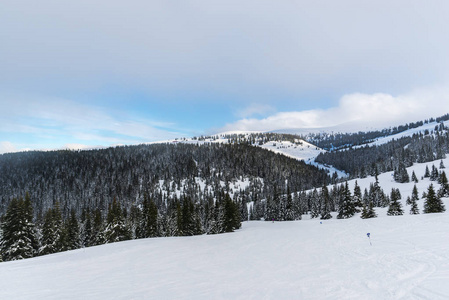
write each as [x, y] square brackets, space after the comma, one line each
[346, 208]
[289, 214]
[427, 172]
[98, 228]
[51, 240]
[412, 201]
[116, 229]
[433, 203]
[88, 237]
[414, 178]
[395, 208]
[357, 198]
[72, 232]
[314, 204]
[434, 174]
[149, 224]
[400, 174]
[442, 165]
[444, 188]
[368, 211]
[244, 214]
[18, 238]
[325, 206]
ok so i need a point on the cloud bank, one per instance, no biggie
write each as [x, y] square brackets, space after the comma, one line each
[356, 112]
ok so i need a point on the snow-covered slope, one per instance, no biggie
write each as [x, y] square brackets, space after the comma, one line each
[308, 259]
[408, 259]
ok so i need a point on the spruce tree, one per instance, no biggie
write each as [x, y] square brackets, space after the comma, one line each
[314, 204]
[368, 211]
[427, 172]
[357, 198]
[444, 189]
[395, 208]
[88, 236]
[116, 229]
[434, 173]
[98, 228]
[414, 178]
[50, 234]
[413, 201]
[433, 203]
[72, 232]
[325, 209]
[18, 238]
[346, 208]
[289, 214]
[149, 225]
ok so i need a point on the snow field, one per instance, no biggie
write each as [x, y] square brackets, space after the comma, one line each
[408, 259]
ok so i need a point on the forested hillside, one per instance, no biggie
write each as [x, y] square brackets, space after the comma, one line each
[391, 156]
[81, 179]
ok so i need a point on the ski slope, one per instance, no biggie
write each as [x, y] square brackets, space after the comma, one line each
[408, 259]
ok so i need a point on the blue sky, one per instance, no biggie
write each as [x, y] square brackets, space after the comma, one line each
[86, 74]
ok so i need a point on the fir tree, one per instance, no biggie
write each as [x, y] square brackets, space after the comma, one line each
[51, 233]
[98, 228]
[88, 236]
[116, 229]
[231, 215]
[368, 211]
[18, 238]
[400, 174]
[427, 172]
[434, 174]
[413, 201]
[357, 198]
[346, 208]
[444, 189]
[244, 214]
[395, 208]
[289, 214]
[72, 232]
[149, 227]
[414, 178]
[325, 209]
[433, 203]
[442, 165]
[314, 204]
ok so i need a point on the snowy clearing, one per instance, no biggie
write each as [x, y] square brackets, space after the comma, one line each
[408, 259]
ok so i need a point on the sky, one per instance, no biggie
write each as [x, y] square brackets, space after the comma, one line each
[99, 73]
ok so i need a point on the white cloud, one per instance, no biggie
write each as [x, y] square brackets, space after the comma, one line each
[7, 147]
[226, 46]
[55, 121]
[357, 112]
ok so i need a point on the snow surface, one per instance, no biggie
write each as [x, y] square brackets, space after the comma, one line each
[408, 259]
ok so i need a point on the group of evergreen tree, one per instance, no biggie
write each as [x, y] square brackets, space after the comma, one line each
[21, 238]
[396, 155]
[93, 178]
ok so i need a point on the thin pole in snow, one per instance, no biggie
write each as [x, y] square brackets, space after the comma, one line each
[369, 237]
